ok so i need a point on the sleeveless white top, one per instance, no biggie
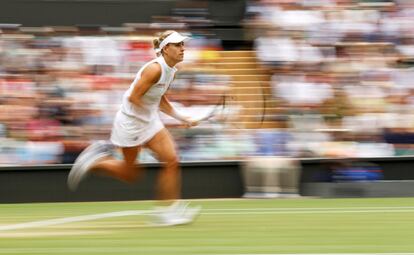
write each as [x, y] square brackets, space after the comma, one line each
[148, 110]
[135, 125]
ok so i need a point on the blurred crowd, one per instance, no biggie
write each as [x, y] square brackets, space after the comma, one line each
[60, 87]
[340, 71]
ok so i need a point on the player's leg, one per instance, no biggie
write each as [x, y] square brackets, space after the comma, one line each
[169, 184]
[94, 152]
[126, 170]
[97, 157]
[169, 179]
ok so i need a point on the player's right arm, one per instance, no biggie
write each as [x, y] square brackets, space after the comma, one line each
[149, 76]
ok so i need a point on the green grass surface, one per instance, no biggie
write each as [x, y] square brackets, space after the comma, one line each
[224, 227]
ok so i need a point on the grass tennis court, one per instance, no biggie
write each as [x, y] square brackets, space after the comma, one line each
[276, 226]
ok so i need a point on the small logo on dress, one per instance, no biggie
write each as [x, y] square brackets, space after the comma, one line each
[160, 85]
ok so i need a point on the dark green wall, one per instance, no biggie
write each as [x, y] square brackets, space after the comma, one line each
[110, 12]
[48, 184]
[200, 180]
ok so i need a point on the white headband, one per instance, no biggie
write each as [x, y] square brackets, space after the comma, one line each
[172, 38]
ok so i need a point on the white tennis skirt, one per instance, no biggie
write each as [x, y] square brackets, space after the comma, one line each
[128, 131]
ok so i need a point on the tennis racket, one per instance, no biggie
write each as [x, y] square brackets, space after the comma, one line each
[237, 111]
[231, 108]
[215, 111]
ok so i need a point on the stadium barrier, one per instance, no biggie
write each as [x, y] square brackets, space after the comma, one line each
[220, 179]
[25, 184]
[359, 189]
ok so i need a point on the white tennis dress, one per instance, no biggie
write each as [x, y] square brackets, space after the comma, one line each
[135, 125]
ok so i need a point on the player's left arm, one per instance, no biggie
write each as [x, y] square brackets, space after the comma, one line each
[167, 108]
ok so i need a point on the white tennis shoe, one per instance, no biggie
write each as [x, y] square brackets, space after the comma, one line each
[179, 213]
[85, 160]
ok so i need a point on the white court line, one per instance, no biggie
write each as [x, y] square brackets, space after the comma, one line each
[307, 212]
[230, 211]
[44, 223]
[313, 208]
[304, 211]
[137, 250]
[321, 254]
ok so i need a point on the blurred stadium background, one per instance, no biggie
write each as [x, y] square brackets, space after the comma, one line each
[327, 83]
[326, 78]
[319, 102]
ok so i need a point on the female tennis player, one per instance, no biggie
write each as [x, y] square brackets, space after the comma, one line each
[137, 124]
